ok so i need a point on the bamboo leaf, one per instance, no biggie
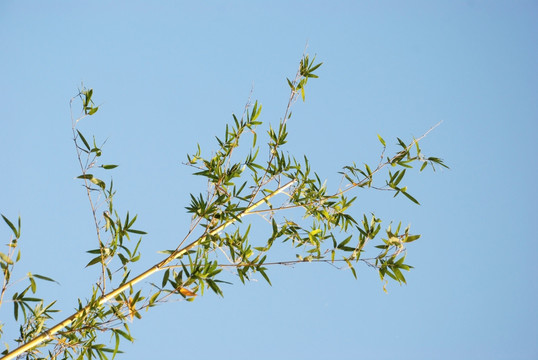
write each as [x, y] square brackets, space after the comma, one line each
[94, 261]
[165, 277]
[140, 232]
[381, 140]
[83, 140]
[85, 176]
[262, 271]
[6, 259]
[10, 224]
[93, 110]
[44, 278]
[410, 197]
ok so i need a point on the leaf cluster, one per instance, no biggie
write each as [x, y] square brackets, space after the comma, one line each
[243, 187]
[24, 300]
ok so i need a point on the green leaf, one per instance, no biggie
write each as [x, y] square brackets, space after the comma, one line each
[85, 176]
[344, 242]
[6, 259]
[404, 164]
[117, 338]
[98, 182]
[389, 273]
[83, 140]
[44, 278]
[165, 277]
[140, 232]
[412, 238]
[124, 334]
[423, 166]
[213, 285]
[15, 308]
[354, 272]
[33, 285]
[93, 110]
[109, 167]
[381, 140]
[153, 298]
[312, 69]
[96, 150]
[10, 224]
[262, 271]
[410, 197]
[291, 85]
[31, 299]
[94, 261]
[400, 177]
[399, 275]
[315, 232]
[351, 267]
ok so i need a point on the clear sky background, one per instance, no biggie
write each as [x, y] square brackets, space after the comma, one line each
[169, 75]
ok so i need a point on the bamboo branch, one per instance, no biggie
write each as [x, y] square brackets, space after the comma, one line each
[46, 335]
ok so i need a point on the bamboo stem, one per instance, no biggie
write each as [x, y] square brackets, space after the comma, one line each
[46, 335]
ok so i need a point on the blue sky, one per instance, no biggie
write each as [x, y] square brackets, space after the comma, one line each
[170, 74]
